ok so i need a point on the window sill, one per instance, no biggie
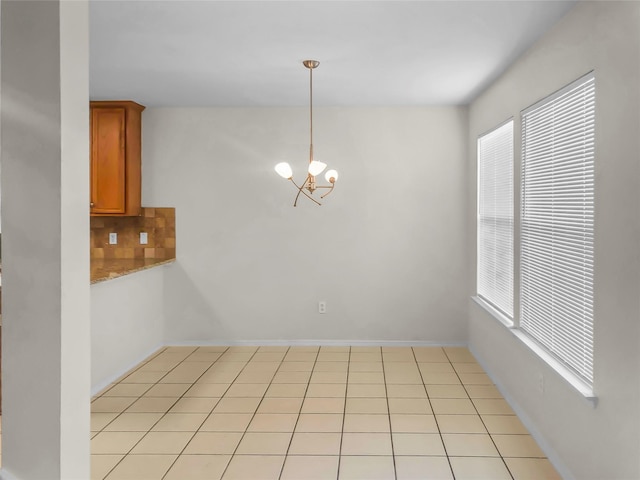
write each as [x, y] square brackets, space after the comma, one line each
[572, 379]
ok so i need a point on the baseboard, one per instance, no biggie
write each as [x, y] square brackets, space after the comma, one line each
[322, 343]
[551, 454]
[99, 387]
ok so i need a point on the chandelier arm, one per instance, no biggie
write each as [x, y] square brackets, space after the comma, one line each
[331, 187]
[301, 190]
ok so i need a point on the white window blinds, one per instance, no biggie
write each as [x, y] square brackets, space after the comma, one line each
[556, 264]
[495, 218]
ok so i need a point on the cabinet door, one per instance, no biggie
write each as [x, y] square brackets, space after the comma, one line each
[108, 168]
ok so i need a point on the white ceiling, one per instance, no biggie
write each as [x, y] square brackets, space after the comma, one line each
[249, 53]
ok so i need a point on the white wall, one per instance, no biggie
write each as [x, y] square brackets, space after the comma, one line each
[386, 251]
[127, 323]
[585, 442]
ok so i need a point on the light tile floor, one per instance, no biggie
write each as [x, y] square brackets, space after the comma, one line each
[298, 413]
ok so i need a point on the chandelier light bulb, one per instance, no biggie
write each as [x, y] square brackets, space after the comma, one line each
[284, 170]
[331, 176]
[316, 168]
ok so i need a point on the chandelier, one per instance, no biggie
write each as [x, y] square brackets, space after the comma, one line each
[315, 167]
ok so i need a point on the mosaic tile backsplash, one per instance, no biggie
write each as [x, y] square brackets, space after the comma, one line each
[159, 223]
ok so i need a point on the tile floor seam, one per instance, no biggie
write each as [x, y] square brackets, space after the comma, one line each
[344, 413]
[386, 395]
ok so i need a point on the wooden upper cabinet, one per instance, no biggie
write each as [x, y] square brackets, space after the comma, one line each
[116, 158]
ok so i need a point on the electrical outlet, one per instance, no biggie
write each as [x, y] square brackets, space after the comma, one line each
[143, 238]
[113, 238]
[322, 307]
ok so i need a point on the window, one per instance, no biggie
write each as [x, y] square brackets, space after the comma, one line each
[495, 218]
[556, 261]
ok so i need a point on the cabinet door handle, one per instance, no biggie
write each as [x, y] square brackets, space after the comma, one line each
[91, 204]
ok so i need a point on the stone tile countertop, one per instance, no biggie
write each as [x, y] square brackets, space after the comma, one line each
[107, 269]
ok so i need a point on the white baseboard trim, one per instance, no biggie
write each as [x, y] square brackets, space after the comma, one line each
[313, 343]
[99, 387]
[551, 454]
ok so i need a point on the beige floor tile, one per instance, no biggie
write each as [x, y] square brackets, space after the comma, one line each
[479, 468]
[492, 406]
[227, 422]
[168, 390]
[218, 377]
[247, 390]
[366, 468]
[207, 390]
[366, 377]
[164, 443]
[296, 367]
[397, 357]
[363, 390]
[360, 423]
[430, 354]
[475, 379]
[423, 468]
[180, 422]
[235, 357]
[152, 405]
[335, 348]
[273, 422]
[435, 367]
[304, 349]
[133, 422]
[143, 377]
[315, 444]
[460, 424]
[406, 391]
[504, 424]
[459, 354]
[517, 446]
[198, 467]
[254, 467]
[280, 405]
[328, 377]
[401, 367]
[470, 367]
[128, 390]
[483, 391]
[292, 377]
[403, 378]
[101, 465]
[300, 357]
[319, 422]
[366, 405]
[325, 356]
[204, 356]
[452, 406]
[264, 444]
[366, 356]
[213, 443]
[469, 445]
[532, 469]
[101, 420]
[212, 348]
[237, 405]
[446, 391]
[142, 467]
[323, 405]
[366, 444]
[413, 424]
[257, 377]
[365, 349]
[310, 468]
[440, 378]
[273, 348]
[114, 442]
[326, 390]
[194, 405]
[286, 390]
[262, 367]
[363, 367]
[268, 357]
[417, 444]
[417, 406]
[111, 404]
[158, 366]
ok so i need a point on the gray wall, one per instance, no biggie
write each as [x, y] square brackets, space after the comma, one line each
[586, 442]
[386, 251]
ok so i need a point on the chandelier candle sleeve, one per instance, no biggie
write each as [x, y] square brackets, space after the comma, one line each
[315, 167]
